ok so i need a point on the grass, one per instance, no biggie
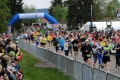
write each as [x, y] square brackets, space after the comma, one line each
[42, 31]
[34, 73]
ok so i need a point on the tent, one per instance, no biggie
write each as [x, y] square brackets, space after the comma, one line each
[101, 25]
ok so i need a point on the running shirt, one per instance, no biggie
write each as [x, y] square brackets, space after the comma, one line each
[106, 50]
[94, 49]
[49, 38]
[44, 40]
[41, 39]
[103, 43]
[75, 43]
[66, 45]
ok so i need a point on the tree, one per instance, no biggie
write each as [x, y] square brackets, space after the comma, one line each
[79, 12]
[60, 13]
[54, 4]
[98, 10]
[112, 8]
[16, 6]
[29, 9]
[4, 15]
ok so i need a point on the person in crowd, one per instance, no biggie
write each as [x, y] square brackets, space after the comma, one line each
[49, 38]
[66, 47]
[100, 55]
[117, 56]
[70, 44]
[41, 41]
[44, 42]
[37, 40]
[106, 56]
[61, 44]
[87, 52]
[75, 47]
[95, 53]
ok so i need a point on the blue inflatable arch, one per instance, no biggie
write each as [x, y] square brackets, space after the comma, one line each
[32, 16]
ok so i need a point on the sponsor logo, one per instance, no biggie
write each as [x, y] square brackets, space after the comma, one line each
[36, 15]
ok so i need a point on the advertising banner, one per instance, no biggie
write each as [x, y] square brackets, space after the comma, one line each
[31, 16]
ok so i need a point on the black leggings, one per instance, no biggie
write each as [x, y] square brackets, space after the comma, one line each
[117, 59]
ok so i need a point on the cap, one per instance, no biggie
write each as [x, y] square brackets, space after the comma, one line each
[12, 54]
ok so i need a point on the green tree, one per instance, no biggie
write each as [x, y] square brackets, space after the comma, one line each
[79, 12]
[4, 15]
[29, 9]
[72, 11]
[54, 4]
[112, 8]
[60, 13]
[16, 6]
[98, 10]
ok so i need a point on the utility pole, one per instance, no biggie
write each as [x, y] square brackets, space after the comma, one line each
[91, 16]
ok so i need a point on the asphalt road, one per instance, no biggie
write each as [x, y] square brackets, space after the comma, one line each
[79, 58]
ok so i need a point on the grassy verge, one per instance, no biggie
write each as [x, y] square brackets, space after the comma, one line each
[34, 73]
[42, 31]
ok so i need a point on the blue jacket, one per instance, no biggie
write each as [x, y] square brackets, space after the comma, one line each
[61, 41]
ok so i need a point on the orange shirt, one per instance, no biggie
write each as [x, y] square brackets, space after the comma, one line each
[53, 36]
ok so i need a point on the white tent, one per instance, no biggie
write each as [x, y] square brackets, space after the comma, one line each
[101, 25]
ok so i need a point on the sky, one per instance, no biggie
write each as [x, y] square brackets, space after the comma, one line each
[38, 3]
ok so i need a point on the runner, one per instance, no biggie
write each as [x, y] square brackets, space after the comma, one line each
[66, 47]
[41, 41]
[49, 38]
[95, 53]
[106, 56]
[117, 48]
[44, 42]
[61, 43]
[100, 55]
[87, 51]
[75, 46]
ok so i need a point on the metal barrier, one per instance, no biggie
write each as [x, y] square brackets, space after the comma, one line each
[77, 70]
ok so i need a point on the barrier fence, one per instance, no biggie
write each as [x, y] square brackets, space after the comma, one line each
[77, 70]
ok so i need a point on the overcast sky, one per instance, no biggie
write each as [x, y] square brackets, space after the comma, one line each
[38, 3]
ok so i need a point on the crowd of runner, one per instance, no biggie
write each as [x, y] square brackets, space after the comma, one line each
[98, 45]
[10, 55]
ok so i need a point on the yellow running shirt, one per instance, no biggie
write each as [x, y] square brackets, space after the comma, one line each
[49, 38]
[41, 39]
[44, 40]
[102, 43]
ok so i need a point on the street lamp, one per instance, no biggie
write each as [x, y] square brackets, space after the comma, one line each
[91, 16]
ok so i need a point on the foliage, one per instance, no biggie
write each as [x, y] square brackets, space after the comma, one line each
[54, 4]
[16, 6]
[60, 13]
[112, 8]
[34, 73]
[4, 15]
[29, 9]
[79, 12]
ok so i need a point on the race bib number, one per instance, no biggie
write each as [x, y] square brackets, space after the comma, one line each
[88, 55]
[66, 45]
[75, 45]
[58, 45]
[94, 51]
